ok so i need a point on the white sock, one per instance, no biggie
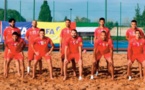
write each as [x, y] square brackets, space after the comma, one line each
[129, 78]
[92, 77]
[28, 69]
[97, 73]
[80, 78]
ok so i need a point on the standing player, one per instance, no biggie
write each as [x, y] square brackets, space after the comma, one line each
[130, 34]
[31, 34]
[65, 34]
[41, 50]
[103, 47]
[7, 35]
[73, 51]
[136, 52]
[15, 48]
[97, 35]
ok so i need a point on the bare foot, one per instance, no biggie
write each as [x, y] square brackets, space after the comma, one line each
[74, 74]
[18, 74]
[51, 78]
[64, 78]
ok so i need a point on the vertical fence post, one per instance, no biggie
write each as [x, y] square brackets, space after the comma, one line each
[117, 38]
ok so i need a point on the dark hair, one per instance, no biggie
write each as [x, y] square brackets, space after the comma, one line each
[12, 19]
[134, 21]
[42, 30]
[104, 32]
[68, 20]
[15, 33]
[102, 19]
[74, 30]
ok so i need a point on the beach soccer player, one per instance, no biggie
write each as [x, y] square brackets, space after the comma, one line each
[136, 50]
[31, 34]
[7, 35]
[40, 46]
[15, 47]
[130, 34]
[73, 51]
[103, 47]
[97, 35]
[64, 35]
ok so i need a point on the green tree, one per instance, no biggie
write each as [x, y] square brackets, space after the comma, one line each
[83, 19]
[45, 13]
[138, 16]
[65, 18]
[11, 14]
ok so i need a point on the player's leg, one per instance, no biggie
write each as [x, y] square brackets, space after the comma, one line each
[22, 67]
[129, 69]
[140, 70]
[7, 67]
[143, 64]
[62, 67]
[40, 66]
[111, 67]
[80, 63]
[5, 60]
[65, 70]
[30, 58]
[74, 67]
[49, 61]
[93, 68]
[34, 68]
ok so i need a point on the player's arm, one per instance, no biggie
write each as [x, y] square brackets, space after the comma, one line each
[129, 51]
[80, 48]
[127, 35]
[111, 48]
[4, 35]
[32, 45]
[27, 35]
[66, 49]
[52, 47]
[95, 49]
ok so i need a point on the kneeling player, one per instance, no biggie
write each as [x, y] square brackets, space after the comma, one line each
[136, 52]
[103, 47]
[41, 49]
[15, 47]
[73, 51]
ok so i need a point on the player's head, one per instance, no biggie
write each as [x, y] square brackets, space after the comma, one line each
[101, 21]
[103, 35]
[68, 22]
[34, 23]
[12, 22]
[15, 36]
[137, 34]
[133, 24]
[42, 33]
[74, 33]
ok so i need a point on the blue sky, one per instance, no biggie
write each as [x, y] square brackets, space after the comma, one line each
[79, 8]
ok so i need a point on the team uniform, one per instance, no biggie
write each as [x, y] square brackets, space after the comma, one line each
[136, 50]
[130, 34]
[31, 34]
[65, 34]
[41, 46]
[99, 30]
[73, 50]
[16, 48]
[8, 36]
[103, 48]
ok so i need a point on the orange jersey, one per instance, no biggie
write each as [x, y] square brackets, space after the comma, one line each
[8, 32]
[41, 45]
[73, 44]
[136, 47]
[15, 46]
[98, 31]
[130, 34]
[32, 33]
[103, 47]
[65, 34]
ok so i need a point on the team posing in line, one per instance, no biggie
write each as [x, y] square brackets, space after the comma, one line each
[70, 49]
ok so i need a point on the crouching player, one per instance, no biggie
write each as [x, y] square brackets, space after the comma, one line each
[73, 51]
[136, 52]
[41, 50]
[103, 47]
[15, 47]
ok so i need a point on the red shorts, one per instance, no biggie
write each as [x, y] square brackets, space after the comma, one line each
[139, 57]
[106, 56]
[30, 53]
[75, 57]
[17, 56]
[39, 57]
[5, 53]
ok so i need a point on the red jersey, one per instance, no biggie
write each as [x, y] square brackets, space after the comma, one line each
[15, 46]
[41, 45]
[8, 32]
[73, 44]
[98, 31]
[130, 34]
[32, 33]
[65, 34]
[103, 46]
[136, 47]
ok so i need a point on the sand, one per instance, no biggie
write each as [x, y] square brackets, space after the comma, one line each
[103, 82]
